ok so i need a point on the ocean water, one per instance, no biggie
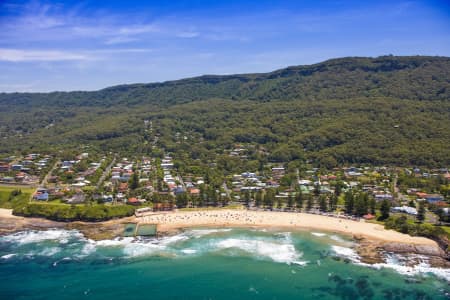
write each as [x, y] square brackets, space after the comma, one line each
[207, 263]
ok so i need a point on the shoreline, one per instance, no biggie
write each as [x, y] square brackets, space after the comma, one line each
[244, 218]
[372, 240]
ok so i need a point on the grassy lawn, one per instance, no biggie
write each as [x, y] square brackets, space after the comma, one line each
[446, 229]
[22, 199]
[9, 189]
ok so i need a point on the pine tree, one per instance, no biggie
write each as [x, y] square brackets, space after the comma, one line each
[309, 203]
[372, 206]
[258, 199]
[349, 202]
[361, 204]
[290, 202]
[421, 211]
[384, 209]
[299, 200]
[247, 198]
[134, 181]
[323, 203]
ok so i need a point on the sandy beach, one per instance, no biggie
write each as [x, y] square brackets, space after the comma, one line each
[7, 213]
[175, 220]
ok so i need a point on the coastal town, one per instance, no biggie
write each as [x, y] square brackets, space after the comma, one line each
[155, 184]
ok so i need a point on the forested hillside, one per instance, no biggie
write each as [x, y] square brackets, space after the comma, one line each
[385, 110]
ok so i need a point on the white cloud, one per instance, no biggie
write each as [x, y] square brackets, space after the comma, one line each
[120, 40]
[137, 29]
[19, 55]
[188, 34]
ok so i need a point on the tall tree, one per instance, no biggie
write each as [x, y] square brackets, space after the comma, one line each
[290, 202]
[258, 199]
[299, 200]
[181, 200]
[269, 198]
[349, 202]
[361, 204]
[421, 211]
[338, 188]
[384, 209]
[372, 205]
[333, 202]
[247, 198]
[323, 203]
[309, 203]
[134, 181]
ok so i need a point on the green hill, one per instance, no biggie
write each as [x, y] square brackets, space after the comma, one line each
[385, 110]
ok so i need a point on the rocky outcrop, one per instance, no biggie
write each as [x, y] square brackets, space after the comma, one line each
[372, 252]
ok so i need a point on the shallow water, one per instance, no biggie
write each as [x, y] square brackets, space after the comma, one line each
[206, 263]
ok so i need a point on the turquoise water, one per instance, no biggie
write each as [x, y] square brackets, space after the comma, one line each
[206, 263]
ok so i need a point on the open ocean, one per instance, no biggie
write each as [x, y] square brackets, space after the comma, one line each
[206, 263]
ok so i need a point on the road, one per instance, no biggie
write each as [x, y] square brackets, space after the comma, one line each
[45, 180]
[105, 173]
[227, 191]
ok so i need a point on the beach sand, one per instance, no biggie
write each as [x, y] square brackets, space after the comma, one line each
[7, 213]
[176, 220]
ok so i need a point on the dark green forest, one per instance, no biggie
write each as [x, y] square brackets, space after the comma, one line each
[385, 110]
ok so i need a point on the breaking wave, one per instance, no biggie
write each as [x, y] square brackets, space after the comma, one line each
[399, 263]
[282, 253]
[347, 253]
[34, 236]
[318, 234]
[280, 247]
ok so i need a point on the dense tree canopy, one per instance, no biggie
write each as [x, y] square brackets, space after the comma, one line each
[385, 110]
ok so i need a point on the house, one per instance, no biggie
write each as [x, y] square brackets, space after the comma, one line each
[368, 217]
[108, 198]
[123, 187]
[380, 197]
[194, 191]
[405, 209]
[178, 190]
[432, 198]
[43, 196]
[5, 167]
[278, 172]
[421, 195]
[77, 198]
[7, 179]
[133, 201]
[16, 167]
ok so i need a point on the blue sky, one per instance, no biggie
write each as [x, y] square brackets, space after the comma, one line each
[88, 45]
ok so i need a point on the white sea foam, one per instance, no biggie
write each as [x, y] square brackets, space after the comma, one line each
[197, 233]
[345, 252]
[338, 239]
[117, 242]
[33, 236]
[142, 249]
[399, 264]
[49, 251]
[8, 256]
[87, 249]
[189, 251]
[318, 234]
[173, 239]
[283, 253]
